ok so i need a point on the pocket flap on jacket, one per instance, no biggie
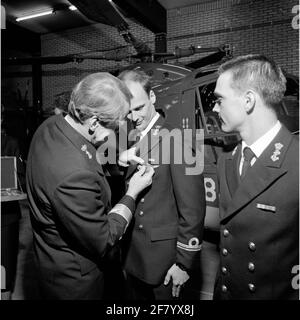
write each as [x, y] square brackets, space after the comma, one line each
[86, 265]
[164, 233]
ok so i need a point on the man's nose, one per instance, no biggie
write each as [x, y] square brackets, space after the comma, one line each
[216, 108]
[134, 116]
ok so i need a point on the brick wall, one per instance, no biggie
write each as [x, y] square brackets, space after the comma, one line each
[98, 37]
[250, 26]
[16, 83]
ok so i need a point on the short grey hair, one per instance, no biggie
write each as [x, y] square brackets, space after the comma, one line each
[259, 73]
[102, 95]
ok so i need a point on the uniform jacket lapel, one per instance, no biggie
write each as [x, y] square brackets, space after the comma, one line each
[152, 139]
[133, 134]
[231, 169]
[147, 143]
[83, 145]
[262, 174]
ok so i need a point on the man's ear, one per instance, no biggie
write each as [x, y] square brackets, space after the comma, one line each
[152, 96]
[250, 97]
[93, 124]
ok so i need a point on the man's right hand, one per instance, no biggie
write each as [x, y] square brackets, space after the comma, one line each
[140, 180]
[129, 156]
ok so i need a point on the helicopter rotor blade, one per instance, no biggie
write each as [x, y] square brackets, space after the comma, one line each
[114, 55]
[140, 46]
[223, 52]
[39, 60]
[186, 52]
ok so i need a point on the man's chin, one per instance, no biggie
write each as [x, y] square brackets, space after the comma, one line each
[140, 127]
[225, 128]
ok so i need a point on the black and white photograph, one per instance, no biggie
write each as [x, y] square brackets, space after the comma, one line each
[150, 153]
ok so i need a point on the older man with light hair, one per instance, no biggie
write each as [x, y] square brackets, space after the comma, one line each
[74, 226]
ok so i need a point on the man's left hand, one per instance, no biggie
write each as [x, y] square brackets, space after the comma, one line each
[179, 278]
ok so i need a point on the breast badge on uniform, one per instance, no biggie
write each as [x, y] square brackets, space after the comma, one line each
[276, 153]
[193, 245]
[156, 129]
[265, 207]
[84, 149]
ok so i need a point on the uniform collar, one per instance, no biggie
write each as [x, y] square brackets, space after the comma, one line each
[79, 141]
[261, 144]
[150, 125]
[267, 169]
[73, 135]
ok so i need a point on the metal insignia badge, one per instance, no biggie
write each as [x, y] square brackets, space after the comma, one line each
[193, 245]
[84, 149]
[156, 130]
[276, 153]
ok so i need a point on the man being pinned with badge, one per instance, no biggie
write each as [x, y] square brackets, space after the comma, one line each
[259, 184]
[164, 243]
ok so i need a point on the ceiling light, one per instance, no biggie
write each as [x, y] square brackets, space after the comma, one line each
[44, 13]
[72, 8]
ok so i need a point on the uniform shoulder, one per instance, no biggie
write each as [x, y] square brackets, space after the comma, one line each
[228, 152]
[294, 145]
[45, 123]
[295, 139]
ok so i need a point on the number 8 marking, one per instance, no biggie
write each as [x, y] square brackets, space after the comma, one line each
[210, 189]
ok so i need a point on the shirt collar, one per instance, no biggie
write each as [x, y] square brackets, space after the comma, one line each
[261, 144]
[150, 125]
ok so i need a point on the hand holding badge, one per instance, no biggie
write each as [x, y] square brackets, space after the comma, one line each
[129, 157]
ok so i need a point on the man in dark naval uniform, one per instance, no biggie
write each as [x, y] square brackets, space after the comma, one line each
[259, 185]
[74, 226]
[167, 231]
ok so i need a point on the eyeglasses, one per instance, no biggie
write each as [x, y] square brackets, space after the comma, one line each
[217, 101]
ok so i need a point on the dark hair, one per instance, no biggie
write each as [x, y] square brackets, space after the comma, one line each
[61, 101]
[137, 76]
[259, 73]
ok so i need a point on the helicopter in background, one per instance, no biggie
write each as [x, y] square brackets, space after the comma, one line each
[183, 92]
[188, 100]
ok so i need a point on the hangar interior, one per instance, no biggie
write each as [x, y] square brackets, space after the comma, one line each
[44, 57]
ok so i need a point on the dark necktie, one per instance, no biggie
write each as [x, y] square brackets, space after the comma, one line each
[138, 137]
[137, 140]
[248, 156]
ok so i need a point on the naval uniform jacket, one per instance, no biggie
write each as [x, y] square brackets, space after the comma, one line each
[260, 223]
[69, 198]
[167, 227]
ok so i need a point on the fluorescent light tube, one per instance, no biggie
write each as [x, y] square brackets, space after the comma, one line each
[35, 15]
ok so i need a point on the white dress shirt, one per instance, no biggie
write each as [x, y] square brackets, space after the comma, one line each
[260, 144]
[150, 125]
